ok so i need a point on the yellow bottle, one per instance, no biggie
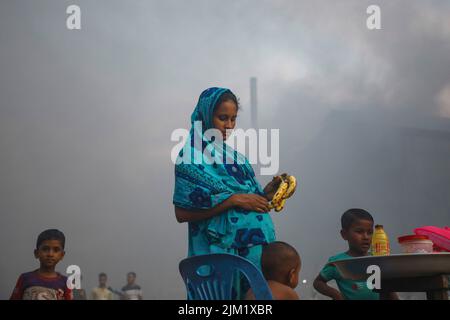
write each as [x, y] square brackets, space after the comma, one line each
[380, 242]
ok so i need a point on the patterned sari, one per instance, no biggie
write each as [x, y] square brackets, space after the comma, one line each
[205, 184]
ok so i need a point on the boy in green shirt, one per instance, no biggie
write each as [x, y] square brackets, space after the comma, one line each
[357, 230]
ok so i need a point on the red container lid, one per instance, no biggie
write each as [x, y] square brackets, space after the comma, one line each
[412, 238]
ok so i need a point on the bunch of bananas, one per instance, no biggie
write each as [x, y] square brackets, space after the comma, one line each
[285, 190]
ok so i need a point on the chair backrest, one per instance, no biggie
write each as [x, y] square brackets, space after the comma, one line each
[209, 277]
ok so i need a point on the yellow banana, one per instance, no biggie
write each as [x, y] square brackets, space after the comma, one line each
[285, 190]
[292, 186]
[280, 206]
[280, 192]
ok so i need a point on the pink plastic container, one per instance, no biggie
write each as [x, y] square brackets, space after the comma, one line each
[439, 236]
[415, 244]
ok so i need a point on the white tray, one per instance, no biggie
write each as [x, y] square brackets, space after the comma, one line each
[396, 265]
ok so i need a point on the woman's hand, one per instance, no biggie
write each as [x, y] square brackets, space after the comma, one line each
[250, 202]
[271, 188]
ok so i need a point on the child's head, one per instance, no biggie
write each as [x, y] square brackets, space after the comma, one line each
[281, 262]
[50, 248]
[102, 278]
[131, 277]
[357, 230]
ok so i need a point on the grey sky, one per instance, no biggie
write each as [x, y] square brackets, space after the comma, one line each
[86, 118]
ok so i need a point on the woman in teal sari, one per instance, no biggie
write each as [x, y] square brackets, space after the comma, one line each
[221, 200]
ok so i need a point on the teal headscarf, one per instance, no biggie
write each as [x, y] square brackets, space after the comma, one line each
[204, 110]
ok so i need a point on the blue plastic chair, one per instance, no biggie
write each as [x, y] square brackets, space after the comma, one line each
[209, 277]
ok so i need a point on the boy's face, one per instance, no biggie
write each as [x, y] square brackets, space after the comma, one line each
[359, 236]
[49, 253]
[130, 278]
[102, 281]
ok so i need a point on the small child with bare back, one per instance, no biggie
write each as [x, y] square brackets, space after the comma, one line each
[280, 264]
